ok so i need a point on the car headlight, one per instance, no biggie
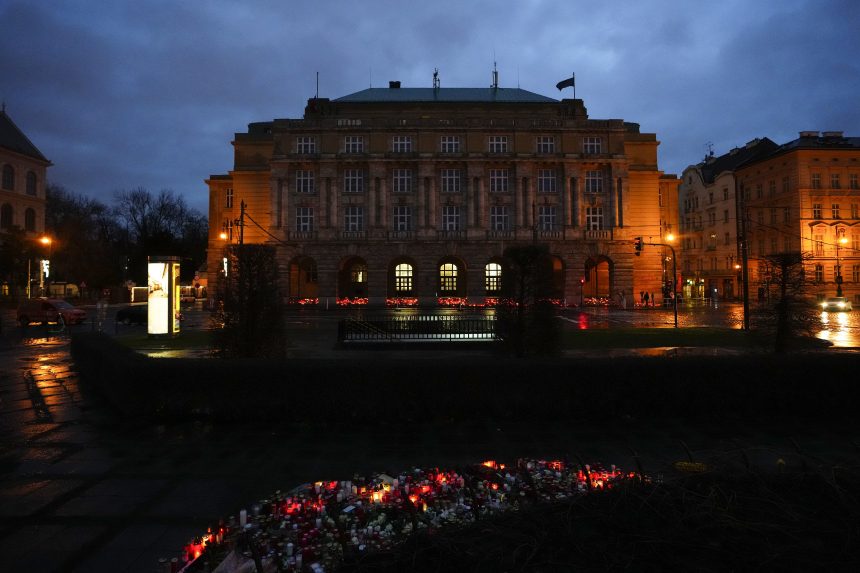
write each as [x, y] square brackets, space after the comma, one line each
[841, 305]
[823, 305]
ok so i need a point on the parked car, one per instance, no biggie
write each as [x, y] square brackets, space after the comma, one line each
[836, 304]
[134, 314]
[45, 310]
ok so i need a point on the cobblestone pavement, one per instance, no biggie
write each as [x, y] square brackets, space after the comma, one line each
[81, 490]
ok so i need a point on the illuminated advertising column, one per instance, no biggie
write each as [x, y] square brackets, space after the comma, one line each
[163, 311]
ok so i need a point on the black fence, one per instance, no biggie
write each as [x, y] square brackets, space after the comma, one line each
[418, 328]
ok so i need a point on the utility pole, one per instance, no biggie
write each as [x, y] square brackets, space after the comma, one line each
[741, 220]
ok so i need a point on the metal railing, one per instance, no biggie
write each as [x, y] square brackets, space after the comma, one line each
[418, 328]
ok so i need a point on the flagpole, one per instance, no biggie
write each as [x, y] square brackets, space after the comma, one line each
[573, 75]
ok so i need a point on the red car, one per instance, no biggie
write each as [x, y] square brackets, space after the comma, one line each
[45, 310]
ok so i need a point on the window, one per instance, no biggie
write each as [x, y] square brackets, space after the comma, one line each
[728, 239]
[546, 217]
[855, 211]
[834, 211]
[348, 122]
[450, 181]
[306, 144]
[545, 144]
[305, 181]
[593, 182]
[353, 144]
[758, 191]
[354, 218]
[771, 188]
[785, 185]
[499, 220]
[786, 215]
[712, 218]
[499, 180]
[725, 216]
[448, 277]
[760, 217]
[228, 197]
[353, 181]
[403, 278]
[31, 183]
[816, 181]
[853, 183]
[401, 144]
[5, 216]
[773, 248]
[710, 197]
[819, 273]
[834, 181]
[772, 216]
[498, 144]
[725, 193]
[594, 218]
[816, 210]
[450, 144]
[304, 218]
[786, 244]
[358, 273]
[818, 245]
[493, 278]
[8, 177]
[29, 219]
[546, 181]
[855, 273]
[402, 180]
[591, 145]
[403, 218]
[451, 218]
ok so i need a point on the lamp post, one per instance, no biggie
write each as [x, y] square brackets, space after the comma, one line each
[44, 264]
[670, 237]
[839, 241]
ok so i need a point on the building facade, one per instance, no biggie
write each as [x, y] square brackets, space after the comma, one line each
[708, 238]
[22, 180]
[413, 194]
[805, 197]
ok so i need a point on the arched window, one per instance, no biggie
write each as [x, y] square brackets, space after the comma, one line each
[448, 277]
[5, 216]
[31, 183]
[403, 278]
[8, 178]
[358, 273]
[493, 278]
[30, 219]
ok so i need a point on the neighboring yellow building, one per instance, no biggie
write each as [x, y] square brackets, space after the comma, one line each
[22, 180]
[805, 197]
[414, 193]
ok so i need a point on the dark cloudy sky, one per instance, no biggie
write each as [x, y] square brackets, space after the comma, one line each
[121, 94]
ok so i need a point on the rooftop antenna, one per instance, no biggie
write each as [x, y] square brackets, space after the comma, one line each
[710, 147]
[495, 77]
[435, 78]
[317, 95]
[518, 76]
[370, 73]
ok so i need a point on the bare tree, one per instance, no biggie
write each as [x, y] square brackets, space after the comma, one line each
[790, 315]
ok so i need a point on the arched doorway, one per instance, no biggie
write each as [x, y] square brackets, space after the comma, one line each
[303, 278]
[597, 275]
[352, 278]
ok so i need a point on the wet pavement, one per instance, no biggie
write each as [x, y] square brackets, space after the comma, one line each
[81, 490]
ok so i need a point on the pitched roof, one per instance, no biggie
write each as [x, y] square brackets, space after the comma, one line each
[730, 161]
[452, 95]
[13, 139]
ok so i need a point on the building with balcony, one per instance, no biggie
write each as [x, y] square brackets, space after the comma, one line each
[415, 193]
[708, 238]
[804, 197]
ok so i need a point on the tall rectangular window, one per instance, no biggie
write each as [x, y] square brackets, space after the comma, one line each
[853, 182]
[304, 218]
[546, 181]
[305, 181]
[306, 144]
[498, 144]
[727, 240]
[786, 215]
[499, 220]
[759, 193]
[773, 216]
[835, 183]
[402, 179]
[785, 185]
[545, 144]
[401, 144]
[819, 273]
[228, 198]
[354, 218]
[403, 218]
[818, 245]
[451, 181]
[592, 145]
[725, 215]
[834, 211]
[546, 217]
[855, 273]
[594, 218]
[451, 218]
[815, 182]
[449, 144]
[771, 188]
[499, 180]
[816, 210]
[353, 144]
[855, 211]
[593, 181]
[353, 181]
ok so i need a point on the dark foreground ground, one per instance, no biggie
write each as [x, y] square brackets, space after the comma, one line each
[83, 489]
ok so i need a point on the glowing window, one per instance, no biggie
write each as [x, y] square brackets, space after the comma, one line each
[448, 277]
[493, 277]
[358, 273]
[403, 278]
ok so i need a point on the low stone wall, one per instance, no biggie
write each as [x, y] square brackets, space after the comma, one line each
[367, 390]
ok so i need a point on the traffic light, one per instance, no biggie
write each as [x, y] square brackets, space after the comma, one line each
[637, 245]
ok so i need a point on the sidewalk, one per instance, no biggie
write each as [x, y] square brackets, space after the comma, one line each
[82, 491]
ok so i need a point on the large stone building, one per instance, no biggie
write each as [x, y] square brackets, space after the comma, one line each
[804, 196]
[414, 193]
[22, 180]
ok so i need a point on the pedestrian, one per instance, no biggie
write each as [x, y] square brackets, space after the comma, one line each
[641, 297]
[646, 298]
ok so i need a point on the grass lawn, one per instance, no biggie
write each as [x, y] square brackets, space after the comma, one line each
[657, 337]
[187, 340]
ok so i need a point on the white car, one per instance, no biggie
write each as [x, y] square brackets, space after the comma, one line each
[836, 304]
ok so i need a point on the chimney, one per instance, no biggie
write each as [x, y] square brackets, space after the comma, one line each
[832, 134]
[808, 134]
[394, 85]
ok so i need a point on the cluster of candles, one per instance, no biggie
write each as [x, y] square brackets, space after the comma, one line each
[401, 301]
[303, 301]
[352, 301]
[317, 526]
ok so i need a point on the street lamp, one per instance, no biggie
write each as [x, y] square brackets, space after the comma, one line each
[44, 264]
[839, 241]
